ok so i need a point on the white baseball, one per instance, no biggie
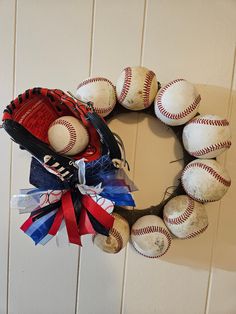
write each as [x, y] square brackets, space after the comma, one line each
[205, 180]
[118, 236]
[136, 88]
[184, 217]
[68, 136]
[150, 237]
[177, 102]
[100, 91]
[206, 136]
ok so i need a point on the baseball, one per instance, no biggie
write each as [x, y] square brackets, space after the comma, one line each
[100, 91]
[205, 180]
[150, 237]
[68, 136]
[177, 102]
[206, 136]
[184, 217]
[136, 88]
[118, 236]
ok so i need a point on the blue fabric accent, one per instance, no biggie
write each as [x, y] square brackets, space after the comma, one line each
[43, 179]
[39, 229]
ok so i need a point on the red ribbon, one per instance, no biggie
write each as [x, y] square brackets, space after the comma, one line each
[56, 223]
[98, 212]
[70, 219]
[85, 226]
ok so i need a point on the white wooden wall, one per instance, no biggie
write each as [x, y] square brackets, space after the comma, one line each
[56, 44]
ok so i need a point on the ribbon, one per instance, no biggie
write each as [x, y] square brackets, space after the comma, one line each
[82, 209]
[70, 219]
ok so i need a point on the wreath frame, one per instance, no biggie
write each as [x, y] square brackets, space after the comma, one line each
[132, 215]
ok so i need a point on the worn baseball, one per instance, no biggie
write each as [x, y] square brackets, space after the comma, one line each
[185, 217]
[136, 88]
[68, 136]
[177, 102]
[118, 236]
[206, 136]
[205, 180]
[100, 91]
[150, 237]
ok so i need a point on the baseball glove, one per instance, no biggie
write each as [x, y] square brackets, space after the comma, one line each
[27, 119]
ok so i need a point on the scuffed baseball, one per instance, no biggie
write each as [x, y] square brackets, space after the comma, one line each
[118, 236]
[68, 136]
[185, 217]
[205, 180]
[150, 237]
[206, 136]
[100, 91]
[136, 88]
[177, 102]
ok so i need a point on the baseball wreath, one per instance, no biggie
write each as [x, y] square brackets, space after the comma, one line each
[77, 162]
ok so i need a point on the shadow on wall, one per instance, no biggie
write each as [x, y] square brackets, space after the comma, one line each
[150, 147]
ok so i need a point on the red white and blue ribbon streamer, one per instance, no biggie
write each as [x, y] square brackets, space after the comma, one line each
[83, 209]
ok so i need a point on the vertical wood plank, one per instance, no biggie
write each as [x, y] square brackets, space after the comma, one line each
[190, 39]
[175, 46]
[101, 274]
[223, 276]
[52, 51]
[7, 25]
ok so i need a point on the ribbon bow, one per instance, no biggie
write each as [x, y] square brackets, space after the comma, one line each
[83, 209]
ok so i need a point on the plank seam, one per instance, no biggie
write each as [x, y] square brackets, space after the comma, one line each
[11, 158]
[90, 73]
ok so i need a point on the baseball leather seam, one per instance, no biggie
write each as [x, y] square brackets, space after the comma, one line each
[146, 88]
[126, 85]
[72, 134]
[179, 115]
[211, 148]
[184, 216]
[223, 122]
[210, 170]
[152, 229]
[196, 233]
[95, 79]
[118, 238]
[134, 245]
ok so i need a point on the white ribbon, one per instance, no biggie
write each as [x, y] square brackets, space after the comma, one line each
[83, 188]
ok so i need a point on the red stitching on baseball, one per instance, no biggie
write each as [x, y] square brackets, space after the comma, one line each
[100, 79]
[209, 170]
[126, 85]
[151, 229]
[95, 79]
[194, 234]
[146, 88]
[179, 115]
[211, 148]
[118, 238]
[184, 216]
[223, 122]
[72, 133]
[104, 110]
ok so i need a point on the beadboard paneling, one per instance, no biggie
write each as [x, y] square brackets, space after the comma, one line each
[60, 43]
[101, 274]
[7, 26]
